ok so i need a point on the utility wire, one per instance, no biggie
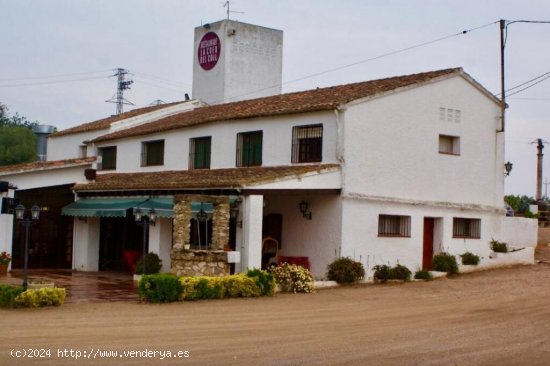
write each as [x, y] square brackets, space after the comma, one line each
[50, 82]
[526, 82]
[55, 76]
[530, 86]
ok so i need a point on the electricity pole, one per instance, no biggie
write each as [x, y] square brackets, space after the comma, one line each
[122, 85]
[540, 146]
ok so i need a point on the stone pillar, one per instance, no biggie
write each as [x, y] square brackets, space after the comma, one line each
[220, 223]
[253, 207]
[182, 221]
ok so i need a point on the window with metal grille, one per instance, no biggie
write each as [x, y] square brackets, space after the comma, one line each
[394, 225]
[466, 228]
[108, 158]
[449, 145]
[249, 148]
[199, 152]
[152, 153]
[307, 144]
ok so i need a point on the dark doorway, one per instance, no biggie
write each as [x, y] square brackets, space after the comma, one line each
[119, 237]
[51, 238]
[428, 247]
[273, 227]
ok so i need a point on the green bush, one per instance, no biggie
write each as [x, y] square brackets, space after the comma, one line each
[423, 275]
[499, 247]
[264, 280]
[153, 264]
[345, 270]
[8, 294]
[293, 278]
[241, 285]
[41, 297]
[159, 288]
[400, 272]
[470, 259]
[383, 273]
[444, 262]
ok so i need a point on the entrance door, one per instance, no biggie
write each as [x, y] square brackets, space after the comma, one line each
[428, 248]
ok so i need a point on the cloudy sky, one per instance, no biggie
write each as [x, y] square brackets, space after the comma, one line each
[56, 56]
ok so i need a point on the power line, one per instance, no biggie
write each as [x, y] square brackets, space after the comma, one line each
[50, 82]
[530, 86]
[526, 82]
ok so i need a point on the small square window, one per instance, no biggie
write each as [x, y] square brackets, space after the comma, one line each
[307, 144]
[108, 158]
[199, 152]
[152, 153]
[249, 148]
[449, 145]
[395, 226]
[466, 228]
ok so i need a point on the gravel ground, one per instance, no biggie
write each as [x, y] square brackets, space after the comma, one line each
[497, 317]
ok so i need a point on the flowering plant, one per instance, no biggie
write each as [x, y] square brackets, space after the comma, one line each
[293, 278]
[5, 258]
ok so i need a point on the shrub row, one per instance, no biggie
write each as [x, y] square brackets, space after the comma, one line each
[14, 296]
[383, 273]
[167, 288]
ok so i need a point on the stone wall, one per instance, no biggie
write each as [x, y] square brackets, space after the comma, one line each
[200, 263]
[212, 262]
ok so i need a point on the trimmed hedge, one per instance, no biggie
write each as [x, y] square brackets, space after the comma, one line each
[345, 270]
[167, 288]
[41, 297]
[159, 288]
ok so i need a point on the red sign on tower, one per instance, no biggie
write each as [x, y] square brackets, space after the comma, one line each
[209, 50]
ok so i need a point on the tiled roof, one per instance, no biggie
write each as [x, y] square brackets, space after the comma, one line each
[204, 178]
[44, 165]
[106, 122]
[299, 102]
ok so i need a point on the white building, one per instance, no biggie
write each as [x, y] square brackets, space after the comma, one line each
[387, 171]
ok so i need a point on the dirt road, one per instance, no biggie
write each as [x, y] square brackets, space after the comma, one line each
[499, 317]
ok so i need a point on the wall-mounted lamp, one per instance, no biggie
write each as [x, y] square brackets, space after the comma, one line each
[508, 168]
[234, 208]
[304, 209]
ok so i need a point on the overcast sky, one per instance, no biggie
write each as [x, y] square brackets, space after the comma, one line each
[87, 39]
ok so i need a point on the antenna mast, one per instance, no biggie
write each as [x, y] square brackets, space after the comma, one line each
[122, 85]
[231, 11]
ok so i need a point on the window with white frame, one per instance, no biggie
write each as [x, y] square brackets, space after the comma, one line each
[449, 145]
[394, 226]
[466, 228]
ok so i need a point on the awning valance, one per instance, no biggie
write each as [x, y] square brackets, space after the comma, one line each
[117, 207]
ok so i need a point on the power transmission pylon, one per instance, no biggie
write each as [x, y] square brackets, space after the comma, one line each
[122, 85]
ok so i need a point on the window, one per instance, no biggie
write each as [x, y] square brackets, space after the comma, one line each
[199, 152]
[449, 145]
[82, 151]
[307, 144]
[152, 153]
[249, 148]
[108, 158]
[396, 226]
[466, 228]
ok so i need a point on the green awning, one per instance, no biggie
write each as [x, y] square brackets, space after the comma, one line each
[117, 207]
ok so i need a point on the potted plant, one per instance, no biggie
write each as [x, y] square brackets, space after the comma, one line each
[5, 259]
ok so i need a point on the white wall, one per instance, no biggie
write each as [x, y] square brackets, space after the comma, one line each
[86, 244]
[68, 146]
[160, 241]
[277, 142]
[360, 239]
[392, 146]
[47, 178]
[250, 63]
[518, 231]
[318, 238]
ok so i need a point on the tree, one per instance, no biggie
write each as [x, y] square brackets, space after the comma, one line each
[17, 141]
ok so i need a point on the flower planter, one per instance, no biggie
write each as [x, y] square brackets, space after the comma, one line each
[39, 283]
[3, 269]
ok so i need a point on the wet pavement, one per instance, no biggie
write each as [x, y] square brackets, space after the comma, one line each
[83, 286]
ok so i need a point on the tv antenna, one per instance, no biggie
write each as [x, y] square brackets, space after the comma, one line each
[226, 4]
[122, 85]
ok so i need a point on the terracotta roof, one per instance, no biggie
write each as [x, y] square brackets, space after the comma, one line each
[44, 165]
[204, 178]
[106, 122]
[299, 102]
